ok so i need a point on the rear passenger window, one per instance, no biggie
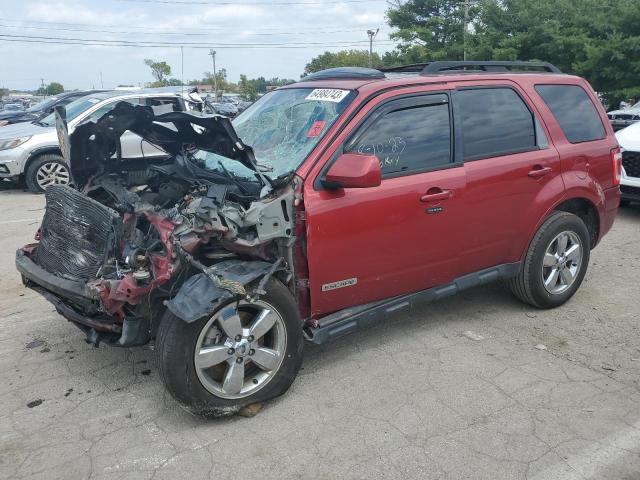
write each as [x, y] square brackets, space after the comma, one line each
[409, 139]
[574, 111]
[494, 121]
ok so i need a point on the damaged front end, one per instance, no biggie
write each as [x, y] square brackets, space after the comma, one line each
[135, 237]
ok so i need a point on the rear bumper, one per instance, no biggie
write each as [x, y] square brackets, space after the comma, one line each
[611, 204]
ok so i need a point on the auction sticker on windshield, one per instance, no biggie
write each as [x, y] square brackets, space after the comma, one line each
[327, 95]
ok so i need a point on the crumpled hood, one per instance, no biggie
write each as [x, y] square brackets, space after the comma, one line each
[92, 144]
[629, 138]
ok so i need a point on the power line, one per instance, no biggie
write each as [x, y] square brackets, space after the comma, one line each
[205, 2]
[171, 33]
[239, 46]
[213, 27]
[174, 44]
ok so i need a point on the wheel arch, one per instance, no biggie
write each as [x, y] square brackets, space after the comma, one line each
[37, 153]
[588, 213]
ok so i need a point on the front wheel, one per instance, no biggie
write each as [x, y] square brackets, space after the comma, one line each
[48, 169]
[245, 352]
[556, 262]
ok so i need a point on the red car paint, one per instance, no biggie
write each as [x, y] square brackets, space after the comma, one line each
[381, 235]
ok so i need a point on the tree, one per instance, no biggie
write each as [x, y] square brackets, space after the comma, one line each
[54, 88]
[247, 89]
[343, 58]
[4, 92]
[596, 39]
[159, 70]
[436, 25]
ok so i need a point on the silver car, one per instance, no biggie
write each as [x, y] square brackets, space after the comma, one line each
[30, 151]
[624, 117]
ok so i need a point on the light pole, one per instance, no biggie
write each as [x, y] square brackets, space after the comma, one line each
[371, 35]
[212, 52]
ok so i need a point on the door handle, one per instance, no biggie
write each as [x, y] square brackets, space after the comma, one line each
[436, 194]
[539, 171]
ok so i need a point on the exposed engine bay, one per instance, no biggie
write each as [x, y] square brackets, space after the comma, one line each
[137, 236]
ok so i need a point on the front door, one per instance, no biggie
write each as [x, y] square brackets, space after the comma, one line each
[374, 243]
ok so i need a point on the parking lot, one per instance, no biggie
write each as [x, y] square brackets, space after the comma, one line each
[477, 386]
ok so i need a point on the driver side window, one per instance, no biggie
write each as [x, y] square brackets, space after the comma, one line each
[411, 135]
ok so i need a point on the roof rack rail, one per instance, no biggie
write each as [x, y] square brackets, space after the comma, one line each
[432, 68]
[345, 73]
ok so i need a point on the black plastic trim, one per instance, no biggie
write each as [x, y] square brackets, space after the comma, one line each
[348, 320]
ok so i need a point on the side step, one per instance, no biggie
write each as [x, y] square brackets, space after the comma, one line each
[348, 320]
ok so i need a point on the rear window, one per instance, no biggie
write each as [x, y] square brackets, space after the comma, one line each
[574, 111]
[495, 121]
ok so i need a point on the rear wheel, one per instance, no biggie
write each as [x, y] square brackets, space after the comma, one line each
[556, 262]
[48, 169]
[245, 352]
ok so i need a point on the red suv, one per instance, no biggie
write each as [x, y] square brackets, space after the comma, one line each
[327, 205]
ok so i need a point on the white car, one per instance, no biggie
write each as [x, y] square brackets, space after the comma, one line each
[629, 140]
[30, 152]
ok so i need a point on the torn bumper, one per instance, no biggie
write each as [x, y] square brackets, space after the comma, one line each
[70, 298]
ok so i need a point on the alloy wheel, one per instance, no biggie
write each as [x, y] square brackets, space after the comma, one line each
[562, 262]
[52, 173]
[240, 349]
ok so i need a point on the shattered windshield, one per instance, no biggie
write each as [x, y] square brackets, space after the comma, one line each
[284, 126]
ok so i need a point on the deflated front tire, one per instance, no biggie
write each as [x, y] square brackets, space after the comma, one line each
[244, 352]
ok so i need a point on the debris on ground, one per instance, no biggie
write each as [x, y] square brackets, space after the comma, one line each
[540, 346]
[146, 372]
[250, 410]
[35, 344]
[35, 403]
[608, 367]
[473, 335]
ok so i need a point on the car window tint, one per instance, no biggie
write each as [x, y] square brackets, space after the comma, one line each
[409, 139]
[574, 111]
[494, 121]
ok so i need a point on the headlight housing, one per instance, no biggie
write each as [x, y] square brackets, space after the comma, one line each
[13, 142]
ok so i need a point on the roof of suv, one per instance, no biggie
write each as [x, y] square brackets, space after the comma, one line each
[356, 78]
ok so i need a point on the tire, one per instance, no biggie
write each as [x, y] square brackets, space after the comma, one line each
[529, 284]
[202, 390]
[58, 172]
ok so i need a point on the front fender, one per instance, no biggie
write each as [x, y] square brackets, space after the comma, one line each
[199, 296]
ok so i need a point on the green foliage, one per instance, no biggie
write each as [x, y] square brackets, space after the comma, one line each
[343, 58]
[159, 70]
[247, 89]
[596, 39]
[54, 88]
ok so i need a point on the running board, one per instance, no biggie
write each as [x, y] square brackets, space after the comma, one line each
[348, 320]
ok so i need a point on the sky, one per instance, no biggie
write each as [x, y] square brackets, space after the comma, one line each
[312, 28]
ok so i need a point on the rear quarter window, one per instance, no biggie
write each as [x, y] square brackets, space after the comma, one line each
[574, 111]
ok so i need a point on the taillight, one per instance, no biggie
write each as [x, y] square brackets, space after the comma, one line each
[616, 164]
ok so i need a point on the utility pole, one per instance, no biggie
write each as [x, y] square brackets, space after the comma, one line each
[44, 90]
[212, 52]
[101, 82]
[464, 32]
[371, 35]
[181, 69]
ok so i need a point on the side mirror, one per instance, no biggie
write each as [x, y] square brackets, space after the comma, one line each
[353, 170]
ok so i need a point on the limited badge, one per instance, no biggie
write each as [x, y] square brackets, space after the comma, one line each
[349, 282]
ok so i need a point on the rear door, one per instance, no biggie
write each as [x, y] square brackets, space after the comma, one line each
[400, 237]
[508, 163]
